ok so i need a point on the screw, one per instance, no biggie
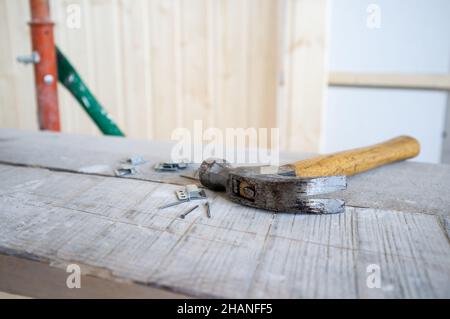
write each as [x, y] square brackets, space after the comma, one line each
[173, 204]
[182, 216]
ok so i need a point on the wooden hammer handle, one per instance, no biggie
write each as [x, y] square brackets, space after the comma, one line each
[358, 160]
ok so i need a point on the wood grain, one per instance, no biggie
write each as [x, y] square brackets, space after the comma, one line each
[359, 160]
[38, 279]
[403, 186]
[112, 228]
[154, 65]
[303, 73]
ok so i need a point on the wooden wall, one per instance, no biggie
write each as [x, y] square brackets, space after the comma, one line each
[160, 64]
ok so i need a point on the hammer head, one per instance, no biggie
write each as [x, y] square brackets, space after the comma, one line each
[275, 192]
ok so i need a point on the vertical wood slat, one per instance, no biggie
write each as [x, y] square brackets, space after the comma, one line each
[262, 63]
[6, 81]
[304, 74]
[135, 48]
[193, 61]
[16, 108]
[161, 64]
[107, 57]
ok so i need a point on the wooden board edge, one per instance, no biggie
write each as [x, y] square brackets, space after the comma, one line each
[440, 82]
[38, 279]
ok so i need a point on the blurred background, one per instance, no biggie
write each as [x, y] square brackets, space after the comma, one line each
[330, 74]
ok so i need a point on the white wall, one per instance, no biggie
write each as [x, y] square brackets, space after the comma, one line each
[414, 37]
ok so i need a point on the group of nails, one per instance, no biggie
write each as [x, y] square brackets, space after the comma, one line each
[191, 192]
[206, 204]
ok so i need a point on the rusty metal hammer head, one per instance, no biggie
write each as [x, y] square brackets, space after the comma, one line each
[280, 192]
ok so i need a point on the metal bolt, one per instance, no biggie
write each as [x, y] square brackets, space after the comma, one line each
[48, 79]
[32, 58]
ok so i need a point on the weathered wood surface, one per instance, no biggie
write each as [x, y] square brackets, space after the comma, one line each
[90, 154]
[406, 186]
[112, 228]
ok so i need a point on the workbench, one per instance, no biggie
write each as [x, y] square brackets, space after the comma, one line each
[61, 204]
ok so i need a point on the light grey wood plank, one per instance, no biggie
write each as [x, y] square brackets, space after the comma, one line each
[113, 229]
[84, 153]
[405, 186]
[403, 277]
[331, 230]
[445, 157]
[99, 155]
[411, 251]
[295, 269]
[417, 236]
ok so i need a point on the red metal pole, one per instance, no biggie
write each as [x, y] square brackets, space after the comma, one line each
[45, 71]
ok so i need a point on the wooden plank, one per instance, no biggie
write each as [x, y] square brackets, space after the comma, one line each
[304, 76]
[4, 295]
[445, 157]
[107, 57]
[230, 63]
[136, 56]
[88, 154]
[154, 65]
[113, 230]
[6, 74]
[405, 186]
[163, 66]
[101, 158]
[341, 248]
[37, 279]
[17, 103]
[193, 59]
[262, 63]
[440, 82]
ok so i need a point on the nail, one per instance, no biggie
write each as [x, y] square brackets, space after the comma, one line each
[189, 211]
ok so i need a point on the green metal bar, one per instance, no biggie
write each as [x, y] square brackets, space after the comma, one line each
[69, 77]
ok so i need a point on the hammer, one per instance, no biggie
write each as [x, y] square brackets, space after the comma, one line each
[294, 187]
